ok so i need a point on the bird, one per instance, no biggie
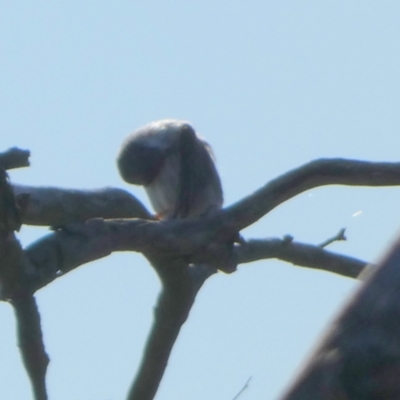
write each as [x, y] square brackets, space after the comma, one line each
[175, 166]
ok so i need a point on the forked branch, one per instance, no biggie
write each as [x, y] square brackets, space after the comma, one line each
[14, 277]
[180, 286]
[87, 228]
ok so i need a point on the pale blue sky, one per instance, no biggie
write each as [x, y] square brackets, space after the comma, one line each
[271, 85]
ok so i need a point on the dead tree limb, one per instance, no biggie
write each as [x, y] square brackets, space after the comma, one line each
[180, 286]
[184, 253]
[51, 206]
[340, 236]
[14, 277]
[30, 342]
[48, 204]
[66, 249]
[316, 173]
[300, 254]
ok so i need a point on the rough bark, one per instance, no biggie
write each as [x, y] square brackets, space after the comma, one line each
[88, 225]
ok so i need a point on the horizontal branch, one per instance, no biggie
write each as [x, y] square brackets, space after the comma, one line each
[201, 241]
[316, 173]
[56, 206]
[50, 206]
[300, 254]
[66, 249]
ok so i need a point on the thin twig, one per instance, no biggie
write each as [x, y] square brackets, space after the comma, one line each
[339, 236]
[246, 385]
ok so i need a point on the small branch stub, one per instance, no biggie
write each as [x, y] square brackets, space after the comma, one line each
[338, 237]
[14, 158]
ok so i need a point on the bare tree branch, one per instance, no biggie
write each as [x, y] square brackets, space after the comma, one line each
[183, 252]
[15, 273]
[246, 385]
[300, 254]
[180, 286]
[338, 237]
[50, 206]
[66, 249]
[10, 217]
[30, 342]
[316, 173]
[359, 358]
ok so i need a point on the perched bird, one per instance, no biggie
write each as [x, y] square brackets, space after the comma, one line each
[175, 166]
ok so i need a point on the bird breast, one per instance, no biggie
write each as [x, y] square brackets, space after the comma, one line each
[163, 191]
